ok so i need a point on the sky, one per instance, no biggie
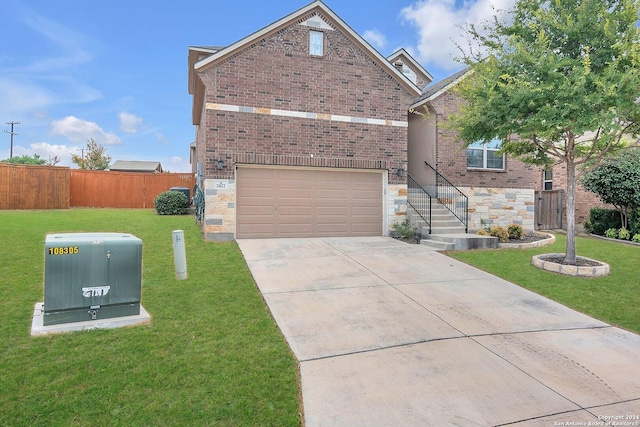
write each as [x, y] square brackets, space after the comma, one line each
[116, 71]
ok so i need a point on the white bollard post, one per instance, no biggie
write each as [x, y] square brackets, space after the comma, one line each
[179, 254]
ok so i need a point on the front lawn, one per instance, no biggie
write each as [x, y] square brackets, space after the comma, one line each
[614, 299]
[212, 354]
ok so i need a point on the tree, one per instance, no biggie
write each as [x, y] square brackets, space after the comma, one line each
[26, 160]
[94, 157]
[53, 160]
[617, 182]
[560, 81]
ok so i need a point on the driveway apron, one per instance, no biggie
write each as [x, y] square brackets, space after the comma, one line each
[393, 334]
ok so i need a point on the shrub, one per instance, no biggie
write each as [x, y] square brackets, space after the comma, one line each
[611, 233]
[482, 232]
[515, 231]
[636, 238]
[634, 221]
[171, 203]
[500, 232]
[601, 220]
[404, 229]
[624, 234]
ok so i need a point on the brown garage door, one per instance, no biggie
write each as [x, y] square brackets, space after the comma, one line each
[307, 203]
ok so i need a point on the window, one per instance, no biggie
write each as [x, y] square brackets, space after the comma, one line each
[547, 180]
[316, 43]
[484, 156]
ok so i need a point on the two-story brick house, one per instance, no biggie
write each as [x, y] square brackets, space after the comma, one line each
[303, 129]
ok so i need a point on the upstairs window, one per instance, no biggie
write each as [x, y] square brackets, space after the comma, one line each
[484, 156]
[547, 179]
[316, 43]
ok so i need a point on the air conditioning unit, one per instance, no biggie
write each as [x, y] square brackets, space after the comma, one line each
[91, 276]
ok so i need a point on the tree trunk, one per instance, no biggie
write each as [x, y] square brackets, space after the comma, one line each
[570, 251]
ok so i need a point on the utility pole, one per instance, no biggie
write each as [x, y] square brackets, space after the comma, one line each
[11, 133]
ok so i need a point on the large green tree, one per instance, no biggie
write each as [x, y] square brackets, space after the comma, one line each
[617, 182]
[556, 81]
[94, 157]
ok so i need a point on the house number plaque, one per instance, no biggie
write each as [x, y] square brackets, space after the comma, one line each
[222, 184]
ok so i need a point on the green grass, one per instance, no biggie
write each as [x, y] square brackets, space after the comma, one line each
[614, 299]
[212, 354]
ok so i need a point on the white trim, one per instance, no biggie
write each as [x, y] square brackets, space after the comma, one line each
[305, 115]
[413, 62]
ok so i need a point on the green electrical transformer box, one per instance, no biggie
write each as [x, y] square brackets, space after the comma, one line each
[91, 276]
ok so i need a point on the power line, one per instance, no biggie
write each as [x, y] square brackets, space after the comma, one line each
[11, 133]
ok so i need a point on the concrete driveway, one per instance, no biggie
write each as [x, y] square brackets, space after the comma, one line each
[393, 334]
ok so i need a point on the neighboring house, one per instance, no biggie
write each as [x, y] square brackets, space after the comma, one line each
[301, 129]
[135, 166]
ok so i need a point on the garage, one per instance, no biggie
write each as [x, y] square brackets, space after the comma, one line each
[297, 202]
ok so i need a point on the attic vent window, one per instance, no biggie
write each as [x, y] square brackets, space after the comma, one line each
[316, 43]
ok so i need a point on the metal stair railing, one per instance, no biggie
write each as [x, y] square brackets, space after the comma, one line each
[451, 198]
[420, 200]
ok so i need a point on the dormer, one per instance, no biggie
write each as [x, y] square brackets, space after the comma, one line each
[408, 66]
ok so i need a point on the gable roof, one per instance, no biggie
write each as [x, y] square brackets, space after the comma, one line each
[319, 6]
[405, 57]
[136, 166]
[433, 91]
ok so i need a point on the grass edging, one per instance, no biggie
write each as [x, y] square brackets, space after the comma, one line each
[212, 354]
[613, 298]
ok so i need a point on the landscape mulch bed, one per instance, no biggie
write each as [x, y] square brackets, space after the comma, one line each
[580, 262]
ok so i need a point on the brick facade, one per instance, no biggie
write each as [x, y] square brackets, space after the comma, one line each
[451, 156]
[279, 73]
[271, 102]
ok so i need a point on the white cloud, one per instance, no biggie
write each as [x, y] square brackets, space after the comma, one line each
[376, 38]
[46, 151]
[69, 42]
[49, 151]
[20, 95]
[161, 137]
[440, 26]
[50, 78]
[129, 123]
[80, 131]
[177, 164]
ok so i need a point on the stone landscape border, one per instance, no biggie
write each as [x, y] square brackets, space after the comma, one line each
[550, 238]
[572, 270]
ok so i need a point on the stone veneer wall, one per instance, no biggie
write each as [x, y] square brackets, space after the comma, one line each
[220, 209]
[500, 206]
[396, 205]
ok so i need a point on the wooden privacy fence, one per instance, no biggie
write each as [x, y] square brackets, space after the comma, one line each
[549, 209]
[110, 189]
[33, 187]
[53, 187]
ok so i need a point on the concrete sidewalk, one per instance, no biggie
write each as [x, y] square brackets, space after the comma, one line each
[393, 334]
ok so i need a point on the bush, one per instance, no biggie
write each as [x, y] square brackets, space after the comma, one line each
[601, 220]
[171, 203]
[404, 229]
[634, 221]
[611, 233]
[515, 231]
[482, 232]
[624, 234]
[500, 232]
[636, 238]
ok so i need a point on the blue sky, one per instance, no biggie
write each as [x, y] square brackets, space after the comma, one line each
[116, 71]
